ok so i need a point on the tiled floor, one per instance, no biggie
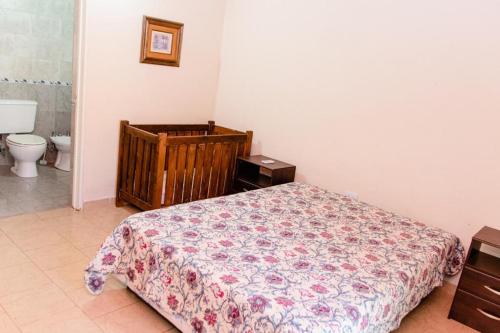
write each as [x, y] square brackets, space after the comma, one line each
[42, 259]
[51, 189]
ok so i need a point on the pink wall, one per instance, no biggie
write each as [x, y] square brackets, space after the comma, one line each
[117, 86]
[398, 101]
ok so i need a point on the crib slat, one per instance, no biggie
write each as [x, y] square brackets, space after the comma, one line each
[207, 168]
[198, 171]
[224, 169]
[138, 166]
[214, 178]
[181, 169]
[151, 171]
[143, 185]
[169, 187]
[188, 183]
[124, 161]
[131, 164]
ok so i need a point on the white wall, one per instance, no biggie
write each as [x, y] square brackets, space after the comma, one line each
[398, 101]
[117, 86]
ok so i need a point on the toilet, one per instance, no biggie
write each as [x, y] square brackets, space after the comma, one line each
[18, 116]
[63, 146]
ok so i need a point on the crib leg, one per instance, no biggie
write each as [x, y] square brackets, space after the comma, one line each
[119, 202]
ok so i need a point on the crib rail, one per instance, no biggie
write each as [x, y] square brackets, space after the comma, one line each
[163, 165]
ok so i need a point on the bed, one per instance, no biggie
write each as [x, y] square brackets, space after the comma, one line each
[289, 258]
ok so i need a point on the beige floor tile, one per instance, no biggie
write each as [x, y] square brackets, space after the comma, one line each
[6, 324]
[69, 277]
[107, 223]
[35, 238]
[56, 213]
[66, 222]
[83, 235]
[5, 240]
[11, 255]
[54, 256]
[20, 223]
[138, 317]
[90, 251]
[35, 304]
[21, 278]
[72, 320]
[114, 297]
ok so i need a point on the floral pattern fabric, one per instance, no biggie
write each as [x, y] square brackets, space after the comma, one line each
[289, 258]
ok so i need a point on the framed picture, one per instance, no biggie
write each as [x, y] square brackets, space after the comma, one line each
[161, 42]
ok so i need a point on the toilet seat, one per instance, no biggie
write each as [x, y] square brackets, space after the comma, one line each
[25, 140]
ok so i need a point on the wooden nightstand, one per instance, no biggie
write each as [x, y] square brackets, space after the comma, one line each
[477, 300]
[252, 174]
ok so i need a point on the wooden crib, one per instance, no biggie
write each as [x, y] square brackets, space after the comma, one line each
[164, 165]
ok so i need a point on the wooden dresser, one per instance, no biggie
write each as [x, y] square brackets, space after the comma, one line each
[477, 299]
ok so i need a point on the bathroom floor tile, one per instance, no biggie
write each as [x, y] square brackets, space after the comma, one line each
[50, 190]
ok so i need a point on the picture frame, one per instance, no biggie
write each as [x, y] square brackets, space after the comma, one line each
[161, 42]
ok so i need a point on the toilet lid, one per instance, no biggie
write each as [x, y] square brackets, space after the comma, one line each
[26, 139]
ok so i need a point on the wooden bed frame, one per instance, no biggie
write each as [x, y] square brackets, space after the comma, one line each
[164, 165]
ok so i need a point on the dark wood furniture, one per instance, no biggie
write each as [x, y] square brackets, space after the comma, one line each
[164, 165]
[477, 300]
[253, 174]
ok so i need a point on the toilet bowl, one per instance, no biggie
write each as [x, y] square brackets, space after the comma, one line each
[26, 150]
[63, 146]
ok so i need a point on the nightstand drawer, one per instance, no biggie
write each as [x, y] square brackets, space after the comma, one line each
[475, 312]
[481, 285]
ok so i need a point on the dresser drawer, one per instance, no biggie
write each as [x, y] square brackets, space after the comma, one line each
[484, 286]
[475, 312]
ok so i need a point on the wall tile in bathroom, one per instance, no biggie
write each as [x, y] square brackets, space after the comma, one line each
[15, 22]
[21, 5]
[22, 67]
[32, 33]
[45, 95]
[47, 49]
[48, 119]
[42, 68]
[13, 91]
[46, 27]
[63, 99]
[67, 29]
[66, 71]
[45, 123]
[62, 122]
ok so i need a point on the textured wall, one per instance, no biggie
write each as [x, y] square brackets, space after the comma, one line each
[36, 39]
[54, 104]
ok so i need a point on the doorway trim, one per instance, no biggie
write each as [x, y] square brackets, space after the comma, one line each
[77, 103]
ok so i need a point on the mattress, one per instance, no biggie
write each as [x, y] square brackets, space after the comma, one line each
[289, 258]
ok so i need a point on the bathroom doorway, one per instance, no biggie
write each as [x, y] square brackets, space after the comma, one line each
[37, 102]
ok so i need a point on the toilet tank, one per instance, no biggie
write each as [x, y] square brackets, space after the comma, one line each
[17, 116]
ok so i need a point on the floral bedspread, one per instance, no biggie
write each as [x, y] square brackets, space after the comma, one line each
[290, 258]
